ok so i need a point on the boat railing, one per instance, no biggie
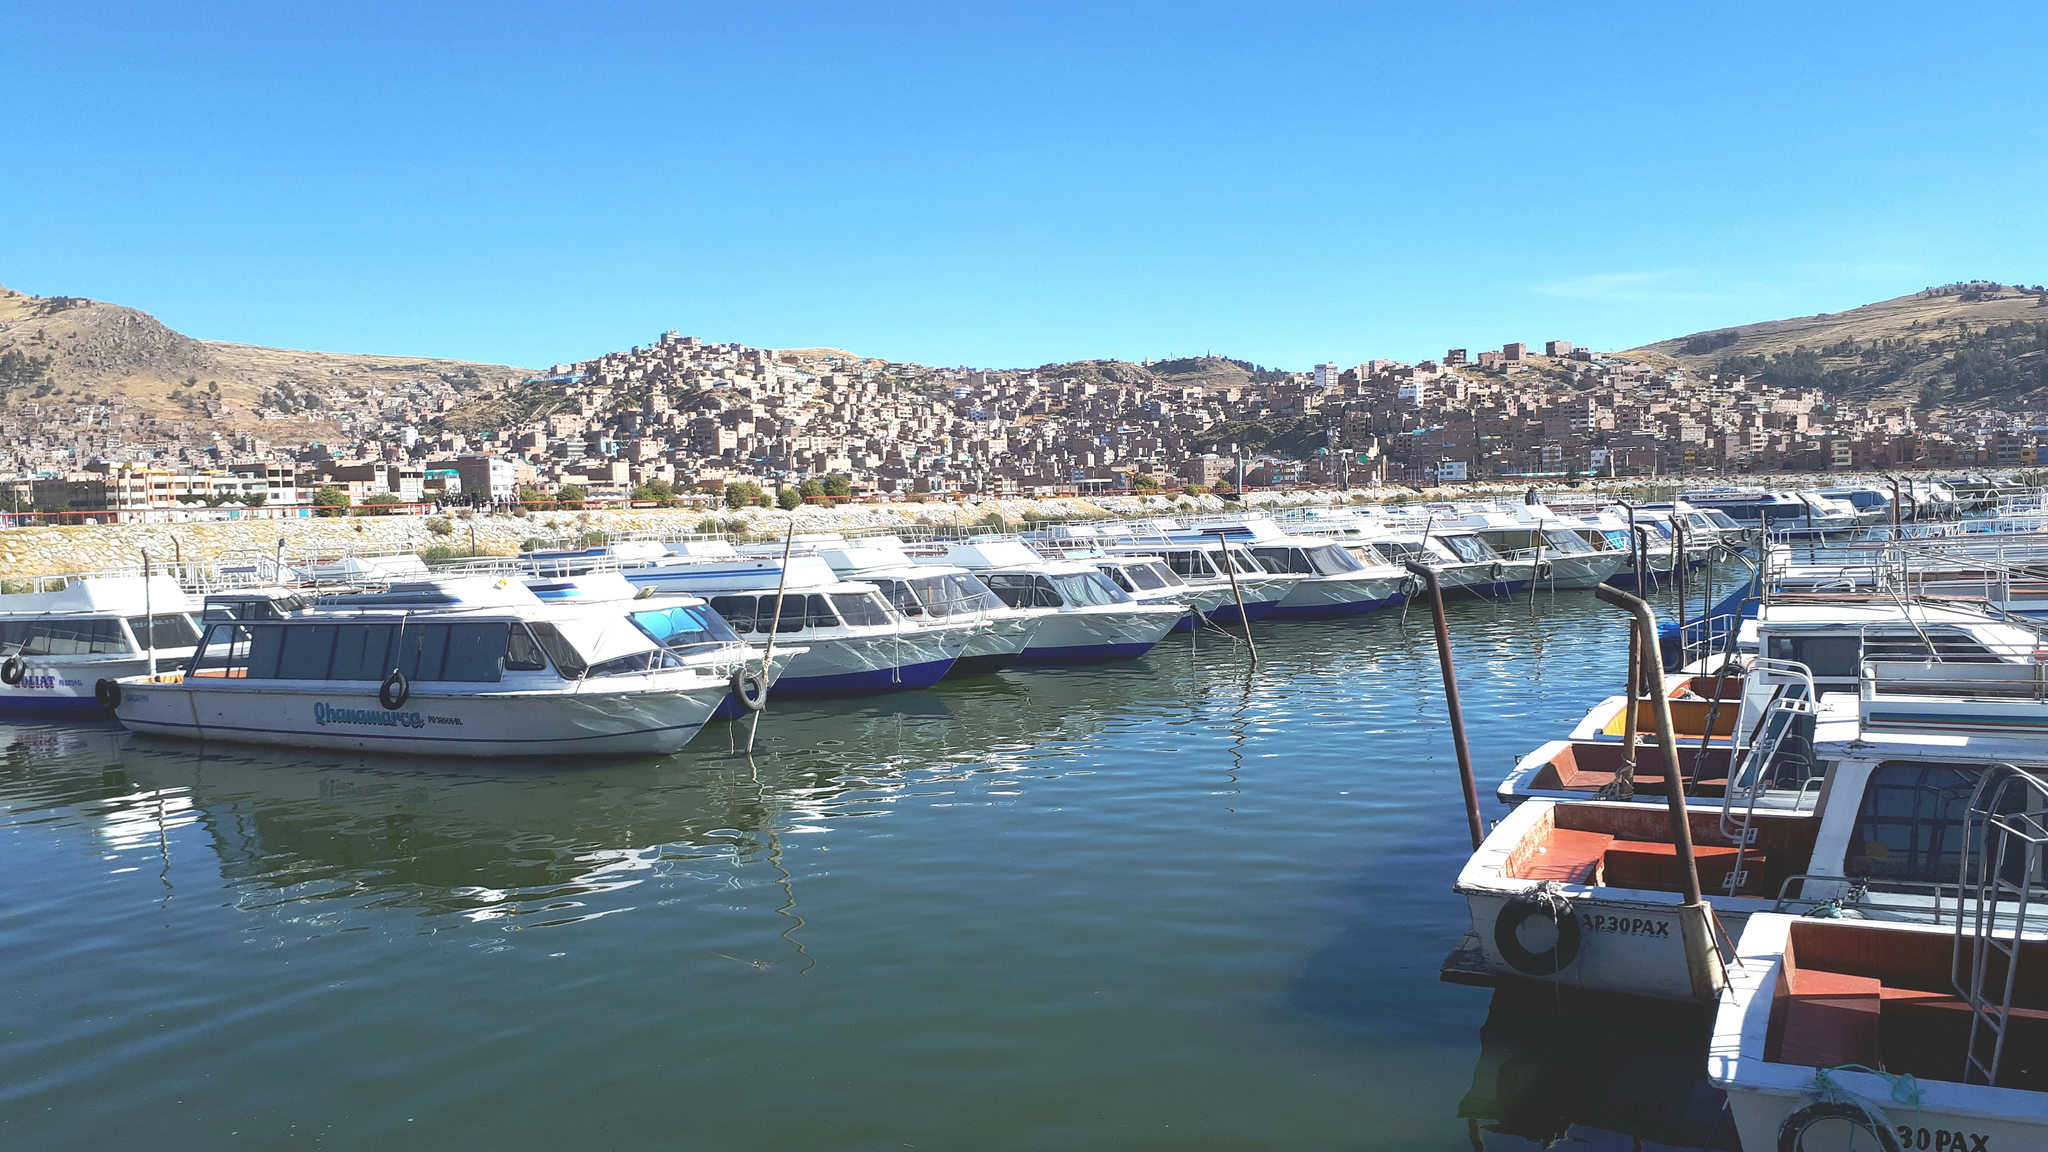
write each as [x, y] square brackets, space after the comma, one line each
[2005, 837]
[2000, 681]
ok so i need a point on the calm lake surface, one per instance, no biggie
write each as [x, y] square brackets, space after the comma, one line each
[1165, 904]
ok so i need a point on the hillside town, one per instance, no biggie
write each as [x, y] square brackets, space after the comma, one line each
[681, 416]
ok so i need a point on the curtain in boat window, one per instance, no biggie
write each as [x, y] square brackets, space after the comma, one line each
[63, 636]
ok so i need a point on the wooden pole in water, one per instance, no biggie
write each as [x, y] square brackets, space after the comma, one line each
[1693, 927]
[1443, 657]
[774, 626]
[1230, 566]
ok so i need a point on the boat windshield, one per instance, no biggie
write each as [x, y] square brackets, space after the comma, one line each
[1083, 589]
[64, 636]
[164, 631]
[1469, 548]
[1565, 543]
[1910, 823]
[685, 628]
[1190, 563]
[938, 597]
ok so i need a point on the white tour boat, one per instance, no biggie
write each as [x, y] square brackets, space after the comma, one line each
[467, 667]
[57, 644]
[1091, 618]
[857, 644]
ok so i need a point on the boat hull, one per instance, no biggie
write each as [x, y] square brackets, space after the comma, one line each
[902, 661]
[1323, 597]
[1089, 634]
[59, 685]
[654, 717]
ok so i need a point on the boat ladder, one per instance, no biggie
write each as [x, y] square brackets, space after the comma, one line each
[2004, 832]
[1778, 733]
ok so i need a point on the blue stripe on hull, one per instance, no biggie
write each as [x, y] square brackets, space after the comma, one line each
[906, 678]
[69, 705]
[1491, 591]
[1083, 652]
[1226, 613]
[1327, 611]
[981, 665]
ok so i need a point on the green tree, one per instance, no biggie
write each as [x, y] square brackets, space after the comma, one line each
[255, 499]
[1148, 483]
[572, 495]
[810, 489]
[532, 496]
[789, 499]
[380, 501]
[742, 494]
[837, 485]
[657, 491]
[330, 501]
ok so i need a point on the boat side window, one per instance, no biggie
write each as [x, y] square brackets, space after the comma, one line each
[1399, 550]
[174, 631]
[567, 660]
[1909, 826]
[1365, 553]
[1190, 563]
[860, 609]
[906, 597]
[1949, 645]
[737, 611]
[59, 636]
[223, 652]
[1835, 656]
[523, 652]
[361, 651]
[1284, 560]
[1119, 577]
[1022, 590]
[1246, 564]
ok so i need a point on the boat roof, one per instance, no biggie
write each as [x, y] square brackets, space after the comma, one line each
[127, 595]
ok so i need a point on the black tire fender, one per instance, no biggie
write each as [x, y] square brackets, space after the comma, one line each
[1554, 908]
[107, 693]
[394, 691]
[1795, 1125]
[14, 671]
[1543, 569]
[1497, 570]
[748, 691]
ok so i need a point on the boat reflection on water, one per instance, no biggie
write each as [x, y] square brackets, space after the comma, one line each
[530, 845]
[1596, 1071]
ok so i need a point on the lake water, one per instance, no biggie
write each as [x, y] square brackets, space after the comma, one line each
[1166, 904]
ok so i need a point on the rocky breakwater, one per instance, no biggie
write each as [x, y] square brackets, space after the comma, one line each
[44, 551]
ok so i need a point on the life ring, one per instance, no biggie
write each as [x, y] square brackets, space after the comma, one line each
[108, 694]
[394, 691]
[14, 671]
[748, 691]
[1551, 907]
[1792, 1133]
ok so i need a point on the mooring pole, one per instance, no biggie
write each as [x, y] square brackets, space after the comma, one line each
[774, 626]
[1443, 658]
[1230, 566]
[1693, 924]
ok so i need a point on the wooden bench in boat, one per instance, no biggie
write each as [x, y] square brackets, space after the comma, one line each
[1587, 766]
[1654, 864]
[1824, 1017]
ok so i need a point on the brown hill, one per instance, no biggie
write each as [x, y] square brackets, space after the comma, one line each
[67, 349]
[1976, 342]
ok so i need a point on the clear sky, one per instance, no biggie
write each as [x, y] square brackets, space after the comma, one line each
[1007, 185]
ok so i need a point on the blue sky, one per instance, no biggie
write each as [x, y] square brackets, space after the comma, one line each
[1005, 185]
